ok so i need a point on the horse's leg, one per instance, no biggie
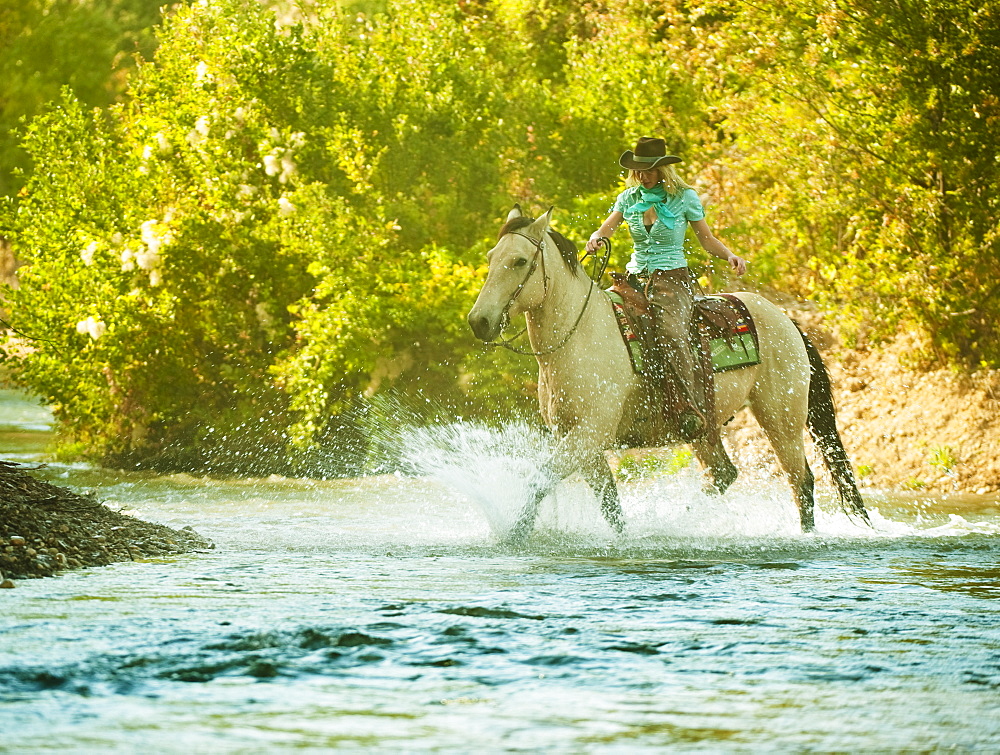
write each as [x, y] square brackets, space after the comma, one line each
[713, 457]
[525, 521]
[581, 449]
[806, 500]
[784, 428]
[598, 475]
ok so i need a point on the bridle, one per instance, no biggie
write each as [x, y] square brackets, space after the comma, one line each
[600, 264]
[531, 271]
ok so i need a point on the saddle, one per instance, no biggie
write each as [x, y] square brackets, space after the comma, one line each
[722, 331]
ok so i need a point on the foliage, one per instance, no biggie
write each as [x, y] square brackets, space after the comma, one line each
[291, 210]
[867, 140]
[48, 44]
[648, 466]
[942, 457]
[251, 258]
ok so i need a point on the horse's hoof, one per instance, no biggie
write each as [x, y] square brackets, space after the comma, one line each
[510, 543]
[517, 536]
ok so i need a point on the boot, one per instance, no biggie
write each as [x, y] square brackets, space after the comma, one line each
[681, 411]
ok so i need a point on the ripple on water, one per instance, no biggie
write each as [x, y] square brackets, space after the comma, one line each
[379, 614]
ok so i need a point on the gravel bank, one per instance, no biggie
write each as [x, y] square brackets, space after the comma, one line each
[45, 529]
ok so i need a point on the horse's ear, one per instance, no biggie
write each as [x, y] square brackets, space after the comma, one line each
[540, 226]
[514, 213]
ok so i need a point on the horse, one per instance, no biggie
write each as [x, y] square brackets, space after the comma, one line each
[592, 400]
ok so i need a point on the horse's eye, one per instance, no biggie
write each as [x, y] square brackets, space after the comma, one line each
[520, 262]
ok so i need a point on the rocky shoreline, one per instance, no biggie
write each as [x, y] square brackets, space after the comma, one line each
[45, 529]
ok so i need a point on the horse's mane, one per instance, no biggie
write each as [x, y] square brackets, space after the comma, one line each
[566, 248]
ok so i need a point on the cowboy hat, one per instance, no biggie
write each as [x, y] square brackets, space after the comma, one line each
[649, 152]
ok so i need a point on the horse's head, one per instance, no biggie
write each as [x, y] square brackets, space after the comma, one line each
[516, 280]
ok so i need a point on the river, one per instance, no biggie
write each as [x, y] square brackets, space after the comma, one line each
[378, 614]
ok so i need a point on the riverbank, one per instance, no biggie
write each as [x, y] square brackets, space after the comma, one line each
[46, 529]
[904, 429]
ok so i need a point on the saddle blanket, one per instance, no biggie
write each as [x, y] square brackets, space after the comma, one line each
[732, 336]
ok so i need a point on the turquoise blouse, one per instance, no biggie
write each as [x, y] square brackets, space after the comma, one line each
[662, 246]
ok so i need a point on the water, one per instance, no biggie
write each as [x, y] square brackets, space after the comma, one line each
[378, 614]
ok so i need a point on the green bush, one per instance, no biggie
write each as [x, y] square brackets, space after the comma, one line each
[48, 44]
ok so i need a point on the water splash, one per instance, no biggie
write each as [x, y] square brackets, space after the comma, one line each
[499, 469]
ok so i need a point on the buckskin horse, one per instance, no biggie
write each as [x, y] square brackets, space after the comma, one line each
[592, 399]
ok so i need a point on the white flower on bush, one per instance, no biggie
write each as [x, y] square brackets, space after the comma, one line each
[147, 260]
[279, 160]
[155, 235]
[199, 133]
[288, 168]
[285, 207]
[91, 327]
[147, 152]
[128, 260]
[87, 255]
[162, 143]
[202, 75]
[279, 163]
[272, 164]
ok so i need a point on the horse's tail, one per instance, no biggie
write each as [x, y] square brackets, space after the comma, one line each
[822, 424]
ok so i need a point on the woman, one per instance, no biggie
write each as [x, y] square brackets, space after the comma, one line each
[658, 206]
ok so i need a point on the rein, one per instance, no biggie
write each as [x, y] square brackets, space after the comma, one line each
[600, 265]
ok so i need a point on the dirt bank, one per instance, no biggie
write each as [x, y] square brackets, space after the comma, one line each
[45, 529]
[904, 429]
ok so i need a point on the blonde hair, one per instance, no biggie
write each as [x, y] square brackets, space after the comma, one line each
[672, 183]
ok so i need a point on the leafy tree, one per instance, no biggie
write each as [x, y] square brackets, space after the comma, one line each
[865, 141]
[48, 44]
[244, 247]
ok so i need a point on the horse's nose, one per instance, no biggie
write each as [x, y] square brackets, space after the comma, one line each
[481, 326]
